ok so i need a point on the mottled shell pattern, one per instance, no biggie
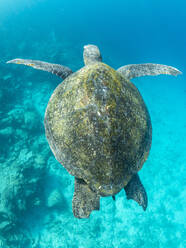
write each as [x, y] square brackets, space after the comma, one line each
[99, 128]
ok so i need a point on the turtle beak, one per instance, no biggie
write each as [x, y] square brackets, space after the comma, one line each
[85, 47]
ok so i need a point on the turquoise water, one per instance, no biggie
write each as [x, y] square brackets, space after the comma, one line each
[35, 190]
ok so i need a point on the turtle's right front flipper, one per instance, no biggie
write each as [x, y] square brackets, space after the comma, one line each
[59, 70]
[84, 200]
[147, 69]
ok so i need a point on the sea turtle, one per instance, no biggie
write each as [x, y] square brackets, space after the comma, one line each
[99, 128]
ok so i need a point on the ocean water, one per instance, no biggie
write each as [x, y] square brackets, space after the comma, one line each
[35, 190]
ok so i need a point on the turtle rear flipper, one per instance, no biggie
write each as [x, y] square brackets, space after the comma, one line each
[135, 191]
[148, 69]
[84, 200]
[58, 70]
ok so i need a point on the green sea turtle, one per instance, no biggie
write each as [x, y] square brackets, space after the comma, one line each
[99, 128]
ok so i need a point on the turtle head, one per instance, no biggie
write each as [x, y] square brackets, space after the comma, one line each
[91, 54]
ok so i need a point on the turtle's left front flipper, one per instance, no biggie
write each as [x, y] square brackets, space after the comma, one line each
[148, 69]
[84, 200]
[59, 70]
[135, 191]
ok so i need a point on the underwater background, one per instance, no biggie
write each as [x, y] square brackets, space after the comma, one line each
[35, 190]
